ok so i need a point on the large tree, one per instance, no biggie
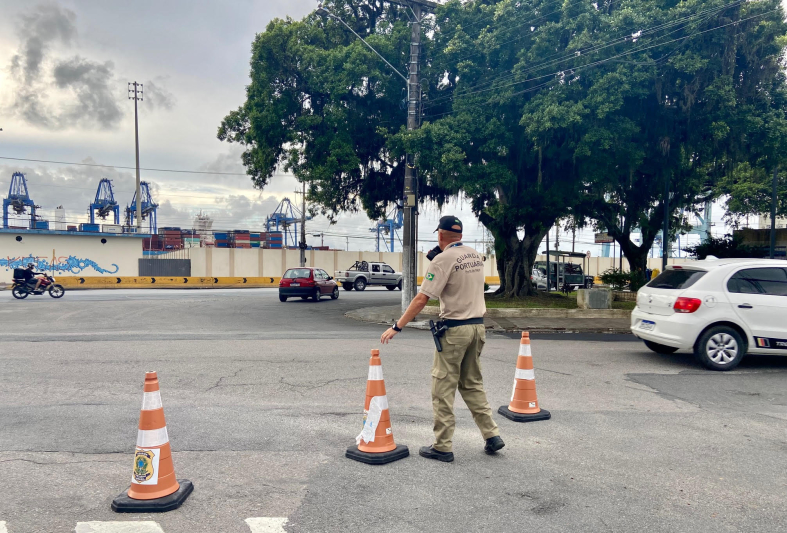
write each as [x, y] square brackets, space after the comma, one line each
[684, 116]
[321, 105]
[596, 111]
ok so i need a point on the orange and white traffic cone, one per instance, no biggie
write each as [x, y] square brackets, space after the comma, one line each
[154, 488]
[375, 444]
[524, 402]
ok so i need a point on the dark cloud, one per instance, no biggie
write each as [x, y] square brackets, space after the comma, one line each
[95, 102]
[43, 25]
[157, 96]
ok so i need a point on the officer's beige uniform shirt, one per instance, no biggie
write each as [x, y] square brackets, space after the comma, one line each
[456, 278]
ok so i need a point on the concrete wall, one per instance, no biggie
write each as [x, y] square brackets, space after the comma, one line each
[73, 254]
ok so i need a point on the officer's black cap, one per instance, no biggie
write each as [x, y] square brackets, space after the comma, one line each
[450, 223]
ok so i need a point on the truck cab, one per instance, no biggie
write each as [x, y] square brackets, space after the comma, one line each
[363, 274]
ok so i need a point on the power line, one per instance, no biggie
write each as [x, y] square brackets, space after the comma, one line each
[132, 168]
[573, 54]
[600, 62]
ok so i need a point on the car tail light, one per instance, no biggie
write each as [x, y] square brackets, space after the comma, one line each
[686, 305]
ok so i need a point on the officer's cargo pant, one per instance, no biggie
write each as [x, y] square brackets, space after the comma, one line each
[459, 364]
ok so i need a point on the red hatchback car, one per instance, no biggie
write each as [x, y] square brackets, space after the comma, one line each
[307, 282]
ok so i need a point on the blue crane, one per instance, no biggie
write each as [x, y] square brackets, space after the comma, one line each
[148, 206]
[388, 227]
[19, 200]
[104, 203]
[285, 218]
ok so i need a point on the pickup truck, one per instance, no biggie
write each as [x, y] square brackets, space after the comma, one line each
[363, 274]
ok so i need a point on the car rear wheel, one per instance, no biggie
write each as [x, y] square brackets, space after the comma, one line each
[390, 287]
[316, 295]
[660, 348]
[335, 293]
[360, 284]
[282, 298]
[400, 285]
[347, 286]
[720, 348]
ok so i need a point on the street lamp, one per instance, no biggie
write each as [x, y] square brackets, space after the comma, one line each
[322, 238]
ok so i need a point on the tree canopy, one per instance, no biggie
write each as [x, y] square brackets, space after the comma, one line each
[534, 110]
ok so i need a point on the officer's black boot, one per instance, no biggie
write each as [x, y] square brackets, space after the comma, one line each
[430, 453]
[493, 444]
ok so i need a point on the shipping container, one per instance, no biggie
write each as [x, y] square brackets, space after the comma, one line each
[112, 228]
[93, 228]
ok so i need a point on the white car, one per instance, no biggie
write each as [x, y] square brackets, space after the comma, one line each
[539, 279]
[721, 309]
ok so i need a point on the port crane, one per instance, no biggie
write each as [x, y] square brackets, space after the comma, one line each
[285, 219]
[19, 200]
[149, 208]
[105, 203]
[388, 227]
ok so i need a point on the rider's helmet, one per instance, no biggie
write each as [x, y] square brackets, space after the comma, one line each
[30, 266]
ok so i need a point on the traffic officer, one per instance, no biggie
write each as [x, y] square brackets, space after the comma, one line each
[455, 277]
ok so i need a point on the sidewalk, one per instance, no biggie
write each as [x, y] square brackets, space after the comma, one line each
[387, 315]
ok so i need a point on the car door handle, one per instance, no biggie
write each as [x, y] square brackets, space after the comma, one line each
[745, 306]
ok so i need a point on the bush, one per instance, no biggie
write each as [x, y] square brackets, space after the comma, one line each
[617, 279]
[726, 247]
[486, 287]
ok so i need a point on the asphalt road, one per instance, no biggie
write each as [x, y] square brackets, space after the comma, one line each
[262, 399]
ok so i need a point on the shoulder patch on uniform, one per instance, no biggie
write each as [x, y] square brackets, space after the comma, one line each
[430, 277]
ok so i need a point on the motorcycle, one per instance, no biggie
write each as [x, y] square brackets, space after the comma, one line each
[22, 289]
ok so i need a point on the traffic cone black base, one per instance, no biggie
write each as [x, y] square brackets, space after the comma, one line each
[543, 414]
[124, 504]
[400, 452]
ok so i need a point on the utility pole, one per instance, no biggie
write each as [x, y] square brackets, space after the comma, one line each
[303, 227]
[135, 93]
[665, 229]
[410, 227]
[410, 224]
[773, 212]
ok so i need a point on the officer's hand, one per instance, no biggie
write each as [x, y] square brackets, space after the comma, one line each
[388, 335]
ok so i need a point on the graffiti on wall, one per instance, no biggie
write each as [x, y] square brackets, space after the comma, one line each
[59, 264]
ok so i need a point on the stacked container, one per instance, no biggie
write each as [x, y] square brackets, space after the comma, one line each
[171, 238]
[242, 238]
[275, 240]
[222, 239]
[256, 239]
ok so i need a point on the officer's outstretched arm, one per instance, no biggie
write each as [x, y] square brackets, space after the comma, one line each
[416, 306]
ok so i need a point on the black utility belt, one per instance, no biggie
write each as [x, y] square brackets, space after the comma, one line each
[456, 323]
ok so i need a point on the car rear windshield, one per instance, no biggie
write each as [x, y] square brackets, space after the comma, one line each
[676, 279]
[295, 273]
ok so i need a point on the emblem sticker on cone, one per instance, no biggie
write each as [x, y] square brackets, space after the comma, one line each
[154, 488]
[145, 467]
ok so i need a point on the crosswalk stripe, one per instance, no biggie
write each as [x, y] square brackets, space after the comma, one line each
[2, 527]
[266, 525]
[117, 527]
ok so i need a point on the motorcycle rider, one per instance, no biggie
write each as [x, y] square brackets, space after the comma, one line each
[31, 275]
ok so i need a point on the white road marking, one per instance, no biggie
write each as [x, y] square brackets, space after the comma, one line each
[266, 525]
[117, 527]
[2, 527]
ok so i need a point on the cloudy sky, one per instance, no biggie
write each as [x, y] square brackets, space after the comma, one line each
[64, 69]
